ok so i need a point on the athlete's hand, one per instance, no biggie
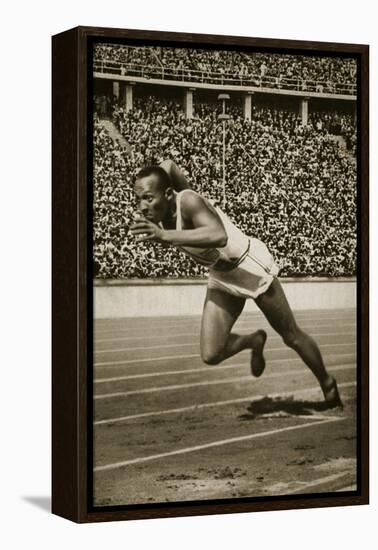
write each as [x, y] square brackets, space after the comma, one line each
[145, 230]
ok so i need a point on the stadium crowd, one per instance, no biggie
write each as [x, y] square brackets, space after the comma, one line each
[290, 185]
[336, 123]
[321, 74]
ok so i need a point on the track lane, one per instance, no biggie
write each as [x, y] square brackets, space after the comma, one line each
[244, 468]
[182, 395]
[240, 468]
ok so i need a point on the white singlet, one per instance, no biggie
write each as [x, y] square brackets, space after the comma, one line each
[243, 268]
[237, 243]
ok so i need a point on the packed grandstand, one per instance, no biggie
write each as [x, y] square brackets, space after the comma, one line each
[290, 184]
[297, 72]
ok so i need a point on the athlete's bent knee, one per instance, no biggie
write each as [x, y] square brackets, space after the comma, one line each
[213, 358]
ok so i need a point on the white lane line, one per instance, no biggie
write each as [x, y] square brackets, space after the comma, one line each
[236, 327]
[168, 373]
[124, 338]
[216, 404]
[190, 356]
[319, 481]
[207, 369]
[248, 378]
[311, 321]
[156, 321]
[218, 443]
[351, 487]
[246, 314]
[147, 360]
[173, 387]
[195, 342]
[299, 313]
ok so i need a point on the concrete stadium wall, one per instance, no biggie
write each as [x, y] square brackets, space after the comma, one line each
[147, 298]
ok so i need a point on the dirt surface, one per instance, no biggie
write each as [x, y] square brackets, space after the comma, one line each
[169, 428]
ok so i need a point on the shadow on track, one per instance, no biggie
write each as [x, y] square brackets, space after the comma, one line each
[287, 405]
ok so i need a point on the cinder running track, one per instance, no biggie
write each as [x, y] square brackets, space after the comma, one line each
[169, 428]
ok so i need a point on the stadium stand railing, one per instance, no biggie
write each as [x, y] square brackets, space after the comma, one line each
[191, 76]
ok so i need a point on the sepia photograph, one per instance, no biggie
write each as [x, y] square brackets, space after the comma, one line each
[225, 273]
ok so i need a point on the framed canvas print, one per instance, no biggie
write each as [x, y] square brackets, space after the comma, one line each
[210, 274]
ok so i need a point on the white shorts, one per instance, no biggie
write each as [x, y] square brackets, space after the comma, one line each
[251, 277]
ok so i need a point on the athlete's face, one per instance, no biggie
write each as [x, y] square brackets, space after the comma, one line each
[153, 199]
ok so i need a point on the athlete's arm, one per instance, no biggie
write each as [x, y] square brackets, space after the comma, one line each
[179, 181]
[208, 229]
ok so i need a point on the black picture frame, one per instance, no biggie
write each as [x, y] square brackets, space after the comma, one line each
[72, 313]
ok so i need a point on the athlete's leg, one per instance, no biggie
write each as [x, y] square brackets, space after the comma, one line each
[220, 312]
[274, 305]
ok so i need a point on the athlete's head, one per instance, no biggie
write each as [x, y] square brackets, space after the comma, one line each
[153, 188]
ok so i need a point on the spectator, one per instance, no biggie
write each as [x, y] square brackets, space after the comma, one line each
[292, 186]
[303, 72]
